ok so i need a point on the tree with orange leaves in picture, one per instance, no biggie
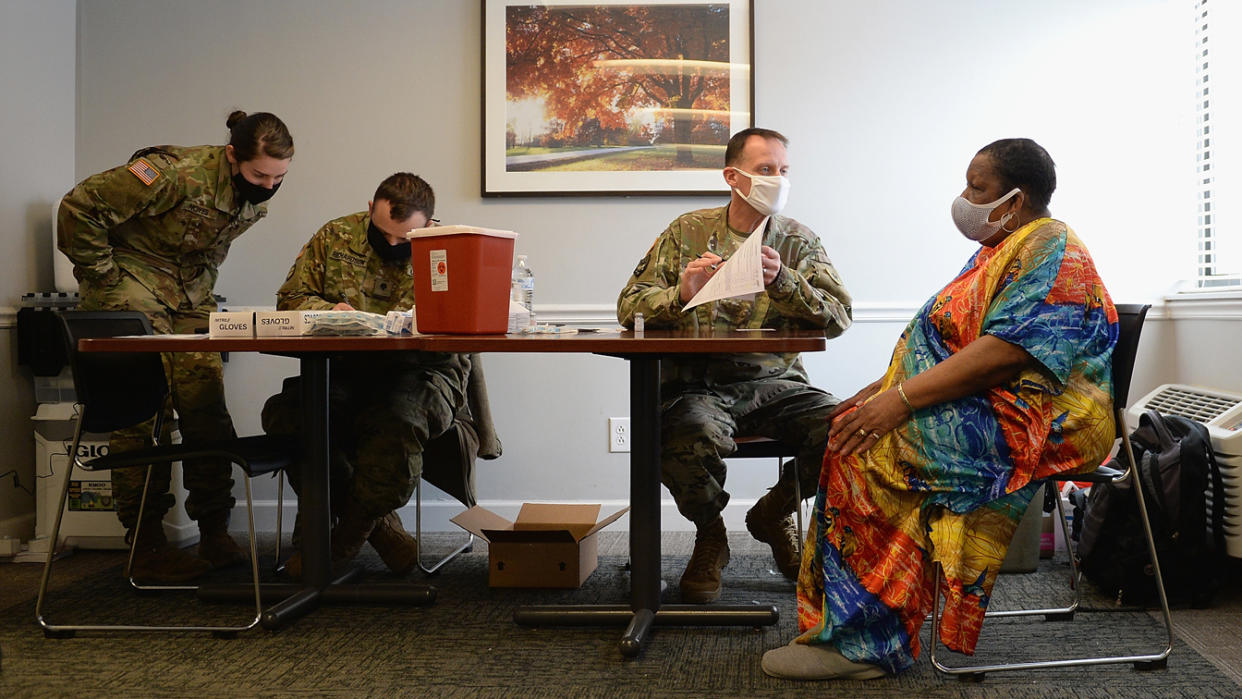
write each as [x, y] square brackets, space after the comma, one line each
[597, 68]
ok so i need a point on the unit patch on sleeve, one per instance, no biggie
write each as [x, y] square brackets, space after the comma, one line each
[144, 171]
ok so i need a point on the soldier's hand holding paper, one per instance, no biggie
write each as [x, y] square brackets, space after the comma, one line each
[697, 273]
[746, 273]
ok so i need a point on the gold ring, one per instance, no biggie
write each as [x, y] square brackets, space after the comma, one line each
[862, 432]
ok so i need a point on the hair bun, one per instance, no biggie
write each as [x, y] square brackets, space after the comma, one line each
[235, 118]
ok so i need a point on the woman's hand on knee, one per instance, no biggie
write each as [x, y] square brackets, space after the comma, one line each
[856, 400]
[860, 429]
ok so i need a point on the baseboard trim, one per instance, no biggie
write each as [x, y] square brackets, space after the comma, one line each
[438, 513]
[19, 526]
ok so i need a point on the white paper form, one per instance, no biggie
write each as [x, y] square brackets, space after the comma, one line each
[741, 274]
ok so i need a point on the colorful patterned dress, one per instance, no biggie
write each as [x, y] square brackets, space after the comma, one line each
[950, 485]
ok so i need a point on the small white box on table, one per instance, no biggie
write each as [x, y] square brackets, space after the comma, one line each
[231, 324]
[284, 323]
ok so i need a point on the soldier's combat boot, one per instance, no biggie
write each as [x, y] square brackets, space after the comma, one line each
[157, 561]
[771, 521]
[700, 584]
[293, 565]
[215, 545]
[394, 544]
[350, 533]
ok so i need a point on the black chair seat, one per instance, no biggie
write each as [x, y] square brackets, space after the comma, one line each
[255, 455]
[1103, 473]
[762, 448]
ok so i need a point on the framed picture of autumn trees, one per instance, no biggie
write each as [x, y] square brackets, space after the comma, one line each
[590, 97]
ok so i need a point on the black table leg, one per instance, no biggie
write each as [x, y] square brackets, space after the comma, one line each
[644, 610]
[315, 500]
[318, 585]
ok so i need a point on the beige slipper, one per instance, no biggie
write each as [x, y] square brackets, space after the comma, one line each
[798, 661]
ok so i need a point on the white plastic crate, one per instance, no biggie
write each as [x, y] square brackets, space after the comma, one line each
[90, 519]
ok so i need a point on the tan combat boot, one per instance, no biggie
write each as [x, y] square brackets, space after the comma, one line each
[348, 536]
[771, 521]
[394, 544]
[350, 533]
[700, 584]
[157, 561]
[215, 545]
[293, 565]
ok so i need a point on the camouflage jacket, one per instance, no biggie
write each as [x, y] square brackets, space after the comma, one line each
[338, 265]
[807, 293]
[166, 218]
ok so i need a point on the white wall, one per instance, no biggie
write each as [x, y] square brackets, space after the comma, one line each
[36, 130]
[885, 103]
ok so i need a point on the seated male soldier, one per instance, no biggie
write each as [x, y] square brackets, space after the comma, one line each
[385, 407]
[708, 400]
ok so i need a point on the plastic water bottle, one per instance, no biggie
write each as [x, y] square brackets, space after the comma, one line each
[524, 286]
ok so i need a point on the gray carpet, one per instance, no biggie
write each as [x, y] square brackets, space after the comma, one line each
[467, 644]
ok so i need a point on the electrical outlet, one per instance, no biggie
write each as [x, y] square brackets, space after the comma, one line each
[618, 434]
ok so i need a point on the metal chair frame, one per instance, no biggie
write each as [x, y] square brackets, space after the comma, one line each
[418, 535]
[1132, 315]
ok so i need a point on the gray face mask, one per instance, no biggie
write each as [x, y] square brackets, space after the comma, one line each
[972, 219]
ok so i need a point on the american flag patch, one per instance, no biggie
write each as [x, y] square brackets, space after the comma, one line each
[143, 171]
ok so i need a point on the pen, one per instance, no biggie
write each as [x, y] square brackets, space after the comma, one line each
[722, 261]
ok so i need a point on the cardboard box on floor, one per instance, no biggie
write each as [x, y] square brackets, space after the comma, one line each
[548, 545]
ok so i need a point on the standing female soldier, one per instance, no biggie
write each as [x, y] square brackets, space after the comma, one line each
[150, 236]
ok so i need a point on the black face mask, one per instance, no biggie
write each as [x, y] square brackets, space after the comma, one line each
[387, 251]
[251, 192]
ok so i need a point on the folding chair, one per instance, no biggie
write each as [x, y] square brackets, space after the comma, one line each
[1130, 328]
[121, 389]
[765, 448]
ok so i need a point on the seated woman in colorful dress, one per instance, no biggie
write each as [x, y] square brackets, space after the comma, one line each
[1003, 378]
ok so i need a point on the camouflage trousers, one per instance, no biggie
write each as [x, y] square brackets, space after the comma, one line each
[196, 392]
[698, 425]
[382, 411]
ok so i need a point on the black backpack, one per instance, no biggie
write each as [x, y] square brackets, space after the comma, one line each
[1176, 466]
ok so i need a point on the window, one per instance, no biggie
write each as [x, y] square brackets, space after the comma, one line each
[1218, 164]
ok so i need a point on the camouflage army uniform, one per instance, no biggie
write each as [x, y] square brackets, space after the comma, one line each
[707, 399]
[150, 236]
[384, 406]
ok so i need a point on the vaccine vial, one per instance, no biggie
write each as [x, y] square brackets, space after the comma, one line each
[638, 323]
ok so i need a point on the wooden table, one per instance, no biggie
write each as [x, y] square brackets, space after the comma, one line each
[643, 351]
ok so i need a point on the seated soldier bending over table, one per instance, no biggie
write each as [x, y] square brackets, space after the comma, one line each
[385, 406]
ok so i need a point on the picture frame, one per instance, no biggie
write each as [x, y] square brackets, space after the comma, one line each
[587, 99]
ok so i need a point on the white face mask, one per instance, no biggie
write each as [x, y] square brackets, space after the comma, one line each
[972, 219]
[768, 193]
